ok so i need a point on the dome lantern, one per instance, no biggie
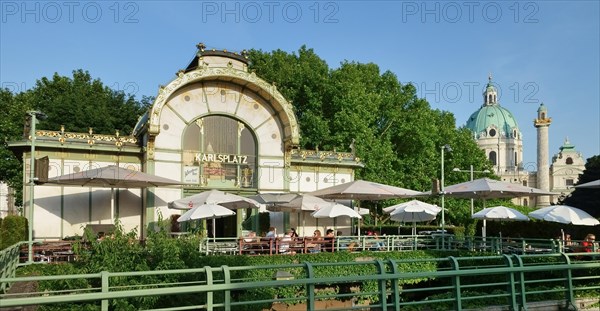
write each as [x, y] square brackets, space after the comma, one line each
[490, 96]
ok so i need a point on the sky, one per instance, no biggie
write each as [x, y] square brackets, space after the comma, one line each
[536, 51]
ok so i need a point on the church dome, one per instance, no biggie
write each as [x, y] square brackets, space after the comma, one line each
[492, 119]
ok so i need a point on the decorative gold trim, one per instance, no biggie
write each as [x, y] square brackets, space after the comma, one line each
[542, 122]
[62, 136]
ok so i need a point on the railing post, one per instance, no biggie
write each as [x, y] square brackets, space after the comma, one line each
[456, 284]
[9, 260]
[569, 282]
[209, 282]
[310, 287]
[105, 288]
[395, 285]
[511, 284]
[382, 288]
[522, 290]
[227, 294]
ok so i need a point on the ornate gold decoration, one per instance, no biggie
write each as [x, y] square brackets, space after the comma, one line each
[119, 142]
[150, 149]
[542, 122]
[62, 136]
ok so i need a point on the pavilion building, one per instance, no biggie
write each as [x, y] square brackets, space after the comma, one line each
[216, 125]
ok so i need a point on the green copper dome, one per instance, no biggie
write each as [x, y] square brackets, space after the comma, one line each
[491, 120]
[492, 116]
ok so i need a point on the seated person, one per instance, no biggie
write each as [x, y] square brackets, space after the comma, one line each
[378, 244]
[294, 234]
[588, 243]
[251, 237]
[272, 233]
[284, 244]
[329, 241]
[315, 247]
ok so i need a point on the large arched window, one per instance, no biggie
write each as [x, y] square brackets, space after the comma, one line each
[219, 152]
[492, 158]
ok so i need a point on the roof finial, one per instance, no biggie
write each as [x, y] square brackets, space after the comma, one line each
[490, 77]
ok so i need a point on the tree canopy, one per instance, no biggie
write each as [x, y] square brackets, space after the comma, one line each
[587, 199]
[397, 135]
[78, 102]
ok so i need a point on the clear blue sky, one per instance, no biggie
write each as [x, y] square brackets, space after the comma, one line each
[538, 51]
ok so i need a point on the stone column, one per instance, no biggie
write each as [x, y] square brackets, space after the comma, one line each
[542, 123]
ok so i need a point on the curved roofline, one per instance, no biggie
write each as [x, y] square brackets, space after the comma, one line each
[269, 92]
[193, 65]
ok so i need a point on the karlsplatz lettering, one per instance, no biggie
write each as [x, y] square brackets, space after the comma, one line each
[221, 158]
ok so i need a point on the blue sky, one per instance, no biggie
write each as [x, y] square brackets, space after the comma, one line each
[537, 51]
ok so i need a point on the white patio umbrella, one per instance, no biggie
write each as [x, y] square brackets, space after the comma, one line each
[272, 199]
[301, 204]
[591, 184]
[413, 211]
[206, 211]
[112, 177]
[499, 213]
[565, 214]
[228, 200]
[211, 198]
[362, 190]
[334, 210]
[485, 188]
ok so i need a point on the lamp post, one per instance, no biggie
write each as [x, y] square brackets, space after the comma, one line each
[34, 115]
[456, 169]
[444, 148]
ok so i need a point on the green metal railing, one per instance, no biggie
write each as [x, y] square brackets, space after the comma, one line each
[512, 281]
[9, 260]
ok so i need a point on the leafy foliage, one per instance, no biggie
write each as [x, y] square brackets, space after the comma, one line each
[397, 135]
[13, 230]
[587, 199]
[78, 102]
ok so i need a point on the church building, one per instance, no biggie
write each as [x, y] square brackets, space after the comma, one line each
[496, 131]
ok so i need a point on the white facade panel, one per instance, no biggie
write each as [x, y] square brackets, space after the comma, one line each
[167, 156]
[171, 129]
[189, 102]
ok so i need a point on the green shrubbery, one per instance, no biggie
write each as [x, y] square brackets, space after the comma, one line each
[13, 229]
[122, 252]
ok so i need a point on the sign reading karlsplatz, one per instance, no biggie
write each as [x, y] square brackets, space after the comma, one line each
[221, 158]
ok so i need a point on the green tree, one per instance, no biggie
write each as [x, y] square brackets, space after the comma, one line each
[397, 135]
[78, 102]
[302, 79]
[14, 108]
[587, 199]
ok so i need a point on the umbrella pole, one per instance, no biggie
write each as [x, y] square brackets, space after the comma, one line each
[112, 205]
[214, 223]
[414, 234]
[484, 229]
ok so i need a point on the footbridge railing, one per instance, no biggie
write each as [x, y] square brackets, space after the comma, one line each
[511, 281]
